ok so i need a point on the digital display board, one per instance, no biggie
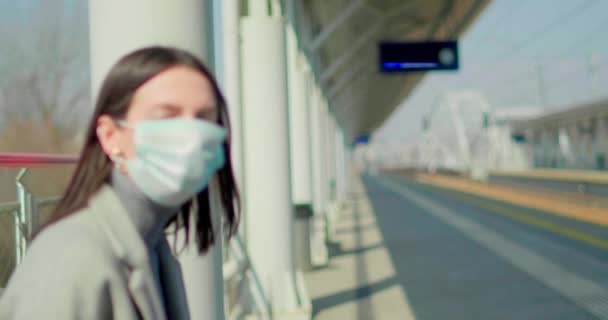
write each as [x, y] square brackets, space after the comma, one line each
[363, 139]
[396, 57]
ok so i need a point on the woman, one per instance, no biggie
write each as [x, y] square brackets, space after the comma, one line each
[155, 145]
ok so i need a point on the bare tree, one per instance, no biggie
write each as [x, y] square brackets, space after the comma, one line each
[45, 73]
[44, 94]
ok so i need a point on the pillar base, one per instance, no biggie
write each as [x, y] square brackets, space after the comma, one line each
[303, 227]
[333, 213]
[320, 253]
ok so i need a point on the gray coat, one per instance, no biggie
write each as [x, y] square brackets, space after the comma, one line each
[94, 265]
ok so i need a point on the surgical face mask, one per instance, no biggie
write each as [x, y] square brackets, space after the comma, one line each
[174, 159]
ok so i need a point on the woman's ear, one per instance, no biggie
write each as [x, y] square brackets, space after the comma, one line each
[106, 133]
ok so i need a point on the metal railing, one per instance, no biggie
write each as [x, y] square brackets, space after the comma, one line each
[237, 268]
[25, 209]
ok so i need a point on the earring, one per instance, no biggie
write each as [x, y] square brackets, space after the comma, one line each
[116, 155]
[116, 152]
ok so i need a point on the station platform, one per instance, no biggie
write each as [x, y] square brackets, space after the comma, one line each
[418, 248]
[361, 281]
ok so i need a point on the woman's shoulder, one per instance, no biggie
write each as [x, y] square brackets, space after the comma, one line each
[78, 236]
[72, 248]
[68, 263]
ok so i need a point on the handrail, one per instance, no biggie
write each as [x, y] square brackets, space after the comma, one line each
[9, 207]
[25, 209]
[239, 265]
[43, 202]
[29, 160]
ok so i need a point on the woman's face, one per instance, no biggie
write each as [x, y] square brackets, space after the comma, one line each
[178, 92]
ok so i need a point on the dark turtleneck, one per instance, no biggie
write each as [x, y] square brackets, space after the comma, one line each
[148, 217]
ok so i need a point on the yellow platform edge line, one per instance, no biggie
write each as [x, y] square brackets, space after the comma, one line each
[598, 216]
[570, 233]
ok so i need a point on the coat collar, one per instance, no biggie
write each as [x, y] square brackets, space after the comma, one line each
[131, 250]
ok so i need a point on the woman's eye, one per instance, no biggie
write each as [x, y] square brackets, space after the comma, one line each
[205, 116]
[165, 113]
[209, 115]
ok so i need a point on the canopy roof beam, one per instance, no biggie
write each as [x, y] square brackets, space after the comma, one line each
[352, 8]
[361, 42]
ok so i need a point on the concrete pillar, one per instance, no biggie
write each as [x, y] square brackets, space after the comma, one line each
[320, 253]
[227, 14]
[333, 158]
[138, 23]
[231, 80]
[300, 126]
[119, 27]
[600, 143]
[576, 144]
[229, 72]
[349, 165]
[270, 225]
[323, 154]
[340, 165]
[317, 150]
[590, 127]
[301, 175]
[329, 154]
[329, 137]
[597, 143]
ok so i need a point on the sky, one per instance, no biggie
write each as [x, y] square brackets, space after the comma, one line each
[512, 45]
[507, 51]
[42, 39]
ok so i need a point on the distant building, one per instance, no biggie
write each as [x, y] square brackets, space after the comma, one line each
[573, 138]
[506, 147]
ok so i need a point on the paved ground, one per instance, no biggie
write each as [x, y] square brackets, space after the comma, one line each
[361, 281]
[412, 251]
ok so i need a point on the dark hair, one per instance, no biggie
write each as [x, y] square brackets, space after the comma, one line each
[94, 167]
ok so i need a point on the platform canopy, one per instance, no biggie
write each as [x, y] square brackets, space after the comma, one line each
[341, 38]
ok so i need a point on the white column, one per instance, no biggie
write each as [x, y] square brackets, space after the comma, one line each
[266, 145]
[203, 274]
[300, 126]
[601, 135]
[328, 147]
[321, 127]
[340, 165]
[301, 175]
[118, 27]
[333, 157]
[576, 143]
[231, 85]
[316, 129]
[330, 169]
[319, 248]
[349, 165]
